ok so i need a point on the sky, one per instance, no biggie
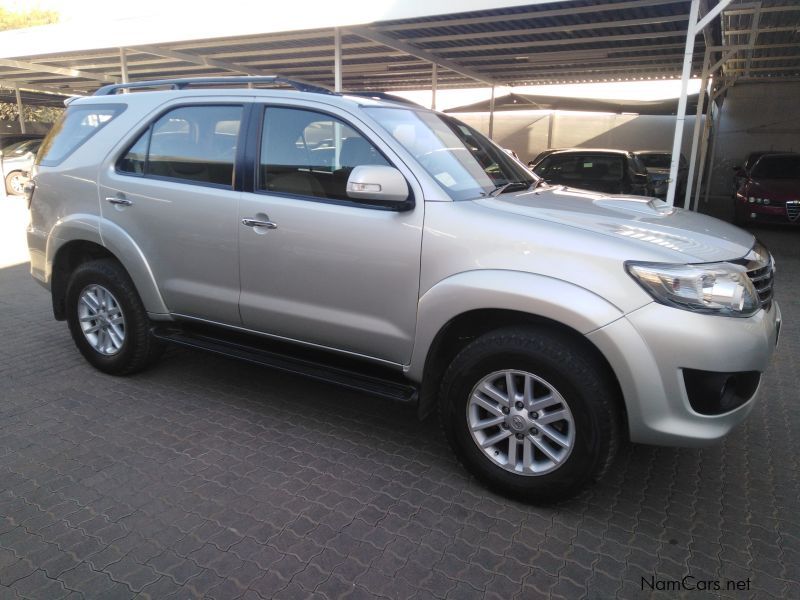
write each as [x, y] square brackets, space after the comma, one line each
[95, 12]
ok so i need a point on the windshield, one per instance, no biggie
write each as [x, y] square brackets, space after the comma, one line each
[656, 161]
[462, 160]
[777, 167]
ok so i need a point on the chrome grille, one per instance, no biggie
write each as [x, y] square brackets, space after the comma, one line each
[762, 280]
[793, 209]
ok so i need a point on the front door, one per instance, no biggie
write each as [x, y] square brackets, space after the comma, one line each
[328, 270]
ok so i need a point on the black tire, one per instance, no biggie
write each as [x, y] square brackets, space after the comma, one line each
[139, 349]
[569, 368]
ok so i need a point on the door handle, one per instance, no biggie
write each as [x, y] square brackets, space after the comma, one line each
[119, 201]
[257, 223]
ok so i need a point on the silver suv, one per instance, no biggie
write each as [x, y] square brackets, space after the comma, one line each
[384, 247]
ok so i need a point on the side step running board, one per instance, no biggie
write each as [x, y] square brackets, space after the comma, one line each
[391, 388]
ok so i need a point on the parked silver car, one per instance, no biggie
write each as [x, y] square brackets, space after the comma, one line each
[392, 249]
[15, 164]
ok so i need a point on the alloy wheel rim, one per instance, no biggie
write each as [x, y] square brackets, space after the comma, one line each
[101, 320]
[18, 184]
[521, 422]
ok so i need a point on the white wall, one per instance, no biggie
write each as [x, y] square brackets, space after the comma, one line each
[526, 132]
[755, 116]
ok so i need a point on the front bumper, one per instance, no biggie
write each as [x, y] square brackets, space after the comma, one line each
[648, 350]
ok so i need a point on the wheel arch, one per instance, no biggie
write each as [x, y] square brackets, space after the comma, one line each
[76, 241]
[471, 304]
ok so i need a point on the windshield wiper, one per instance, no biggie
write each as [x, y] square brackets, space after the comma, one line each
[505, 186]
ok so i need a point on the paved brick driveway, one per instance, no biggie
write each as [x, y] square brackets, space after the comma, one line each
[206, 477]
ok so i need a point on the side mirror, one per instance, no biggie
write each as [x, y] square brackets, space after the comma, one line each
[381, 185]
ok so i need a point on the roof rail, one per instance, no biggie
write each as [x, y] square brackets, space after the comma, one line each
[180, 84]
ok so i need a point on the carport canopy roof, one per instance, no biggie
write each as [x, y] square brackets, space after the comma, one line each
[500, 42]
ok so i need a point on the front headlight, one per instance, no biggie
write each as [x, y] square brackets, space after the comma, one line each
[713, 288]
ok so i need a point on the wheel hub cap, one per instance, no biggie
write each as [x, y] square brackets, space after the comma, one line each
[521, 422]
[101, 319]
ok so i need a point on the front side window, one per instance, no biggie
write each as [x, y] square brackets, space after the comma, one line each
[307, 153]
[462, 160]
[76, 125]
[190, 143]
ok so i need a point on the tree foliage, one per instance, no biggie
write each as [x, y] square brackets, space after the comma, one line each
[33, 114]
[10, 19]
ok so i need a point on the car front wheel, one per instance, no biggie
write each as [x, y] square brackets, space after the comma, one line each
[530, 413]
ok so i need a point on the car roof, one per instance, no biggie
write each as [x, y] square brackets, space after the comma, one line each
[592, 151]
[345, 99]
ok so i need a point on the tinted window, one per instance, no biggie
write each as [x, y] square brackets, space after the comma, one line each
[76, 125]
[194, 143]
[777, 167]
[311, 154]
[656, 161]
[568, 168]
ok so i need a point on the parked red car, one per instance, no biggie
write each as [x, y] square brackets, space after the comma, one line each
[770, 191]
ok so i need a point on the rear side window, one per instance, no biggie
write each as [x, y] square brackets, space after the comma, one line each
[76, 125]
[190, 143]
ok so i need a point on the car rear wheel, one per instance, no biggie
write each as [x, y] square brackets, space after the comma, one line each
[530, 413]
[107, 320]
[15, 183]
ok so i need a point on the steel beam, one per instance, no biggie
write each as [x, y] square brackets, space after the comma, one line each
[195, 59]
[381, 38]
[43, 68]
[491, 115]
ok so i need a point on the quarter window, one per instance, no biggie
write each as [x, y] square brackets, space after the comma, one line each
[76, 125]
[191, 143]
[311, 154]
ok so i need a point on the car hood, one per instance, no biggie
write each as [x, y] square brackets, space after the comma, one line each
[778, 189]
[677, 234]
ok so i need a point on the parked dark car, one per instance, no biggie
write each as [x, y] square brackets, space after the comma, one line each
[741, 172]
[15, 164]
[658, 165]
[541, 156]
[607, 171]
[770, 192]
[9, 139]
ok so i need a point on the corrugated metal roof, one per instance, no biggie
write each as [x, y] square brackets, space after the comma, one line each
[560, 42]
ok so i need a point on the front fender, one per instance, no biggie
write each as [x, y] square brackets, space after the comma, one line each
[538, 295]
[92, 228]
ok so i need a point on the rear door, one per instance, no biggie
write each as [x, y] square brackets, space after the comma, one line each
[172, 191]
[332, 272]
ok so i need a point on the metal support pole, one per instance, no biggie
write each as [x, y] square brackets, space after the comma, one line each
[123, 68]
[696, 135]
[681, 116]
[337, 59]
[123, 65]
[703, 154]
[717, 123]
[550, 127]
[434, 83]
[491, 115]
[21, 110]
